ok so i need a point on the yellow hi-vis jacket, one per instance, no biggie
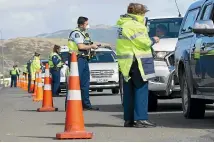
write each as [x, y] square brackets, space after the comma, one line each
[35, 67]
[72, 45]
[133, 40]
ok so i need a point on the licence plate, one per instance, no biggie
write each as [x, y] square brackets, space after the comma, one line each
[102, 80]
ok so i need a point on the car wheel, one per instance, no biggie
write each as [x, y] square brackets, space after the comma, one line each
[115, 91]
[152, 102]
[192, 108]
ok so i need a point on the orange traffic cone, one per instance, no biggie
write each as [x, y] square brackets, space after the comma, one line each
[47, 104]
[74, 124]
[35, 85]
[39, 92]
[26, 83]
[31, 86]
[22, 83]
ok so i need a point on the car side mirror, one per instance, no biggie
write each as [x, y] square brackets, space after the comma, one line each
[205, 27]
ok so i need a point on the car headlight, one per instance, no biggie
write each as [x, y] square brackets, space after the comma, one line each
[160, 55]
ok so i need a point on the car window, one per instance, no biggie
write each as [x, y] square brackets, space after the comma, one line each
[190, 20]
[207, 12]
[165, 27]
[103, 57]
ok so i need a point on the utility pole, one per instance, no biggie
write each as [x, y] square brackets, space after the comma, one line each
[2, 53]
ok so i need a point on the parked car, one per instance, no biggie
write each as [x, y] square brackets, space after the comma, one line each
[194, 58]
[104, 72]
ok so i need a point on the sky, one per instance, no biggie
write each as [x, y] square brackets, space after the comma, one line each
[23, 18]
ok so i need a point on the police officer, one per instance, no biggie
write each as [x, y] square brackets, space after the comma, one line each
[136, 64]
[29, 73]
[80, 42]
[13, 73]
[35, 66]
[55, 64]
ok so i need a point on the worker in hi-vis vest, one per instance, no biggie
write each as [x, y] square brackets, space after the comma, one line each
[135, 59]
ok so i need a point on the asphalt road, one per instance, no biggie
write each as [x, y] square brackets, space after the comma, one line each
[19, 121]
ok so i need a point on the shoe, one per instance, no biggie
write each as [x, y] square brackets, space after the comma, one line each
[91, 108]
[129, 124]
[144, 124]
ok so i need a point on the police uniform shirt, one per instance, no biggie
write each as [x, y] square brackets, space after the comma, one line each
[77, 37]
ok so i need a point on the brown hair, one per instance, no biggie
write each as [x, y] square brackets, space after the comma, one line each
[56, 47]
[137, 8]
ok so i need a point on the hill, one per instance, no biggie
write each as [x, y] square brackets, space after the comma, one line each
[99, 33]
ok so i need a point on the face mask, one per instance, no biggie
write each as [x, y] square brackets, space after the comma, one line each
[87, 27]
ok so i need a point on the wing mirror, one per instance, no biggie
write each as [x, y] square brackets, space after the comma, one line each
[205, 27]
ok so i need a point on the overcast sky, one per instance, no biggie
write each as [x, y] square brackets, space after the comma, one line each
[21, 18]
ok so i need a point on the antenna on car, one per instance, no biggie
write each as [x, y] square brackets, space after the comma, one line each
[179, 15]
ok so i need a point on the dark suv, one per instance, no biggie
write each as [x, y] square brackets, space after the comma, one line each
[194, 58]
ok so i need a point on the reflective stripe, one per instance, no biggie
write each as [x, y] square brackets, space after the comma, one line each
[131, 56]
[131, 37]
[47, 73]
[47, 87]
[74, 71]
[40, 84]
[74, 95]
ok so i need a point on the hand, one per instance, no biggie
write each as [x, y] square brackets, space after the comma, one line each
[156, 39]
[94, 46]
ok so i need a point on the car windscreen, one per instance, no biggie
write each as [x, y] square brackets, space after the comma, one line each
[103, 57]
[164, 28]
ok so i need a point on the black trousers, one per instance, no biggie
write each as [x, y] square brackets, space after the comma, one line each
[29, 82]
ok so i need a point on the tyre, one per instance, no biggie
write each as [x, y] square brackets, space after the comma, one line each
[115, 91]
[152, 102]
[192, 108]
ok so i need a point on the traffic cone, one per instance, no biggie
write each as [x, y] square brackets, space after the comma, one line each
[39, 92]
[22, 83]
[31, 86]
[26, 82]
[47, 104]
[74, 124]
[35, 85]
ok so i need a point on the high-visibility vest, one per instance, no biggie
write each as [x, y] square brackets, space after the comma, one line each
[133, 40]
[73, 46]
[17, 71]
[50, 61]
[13, 72]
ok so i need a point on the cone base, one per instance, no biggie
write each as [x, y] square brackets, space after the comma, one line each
[37, 100]
[74, 135]
[47, 109]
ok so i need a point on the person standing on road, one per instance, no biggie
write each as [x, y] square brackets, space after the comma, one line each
[13, 73]
[35, 66]
[133, 48]
[55, 64]
[80, 42]
[29, 74]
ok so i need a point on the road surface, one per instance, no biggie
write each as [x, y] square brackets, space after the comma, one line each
[19, 121]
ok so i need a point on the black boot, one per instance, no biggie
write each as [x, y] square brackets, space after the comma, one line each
[144, 124]
[129, 124]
